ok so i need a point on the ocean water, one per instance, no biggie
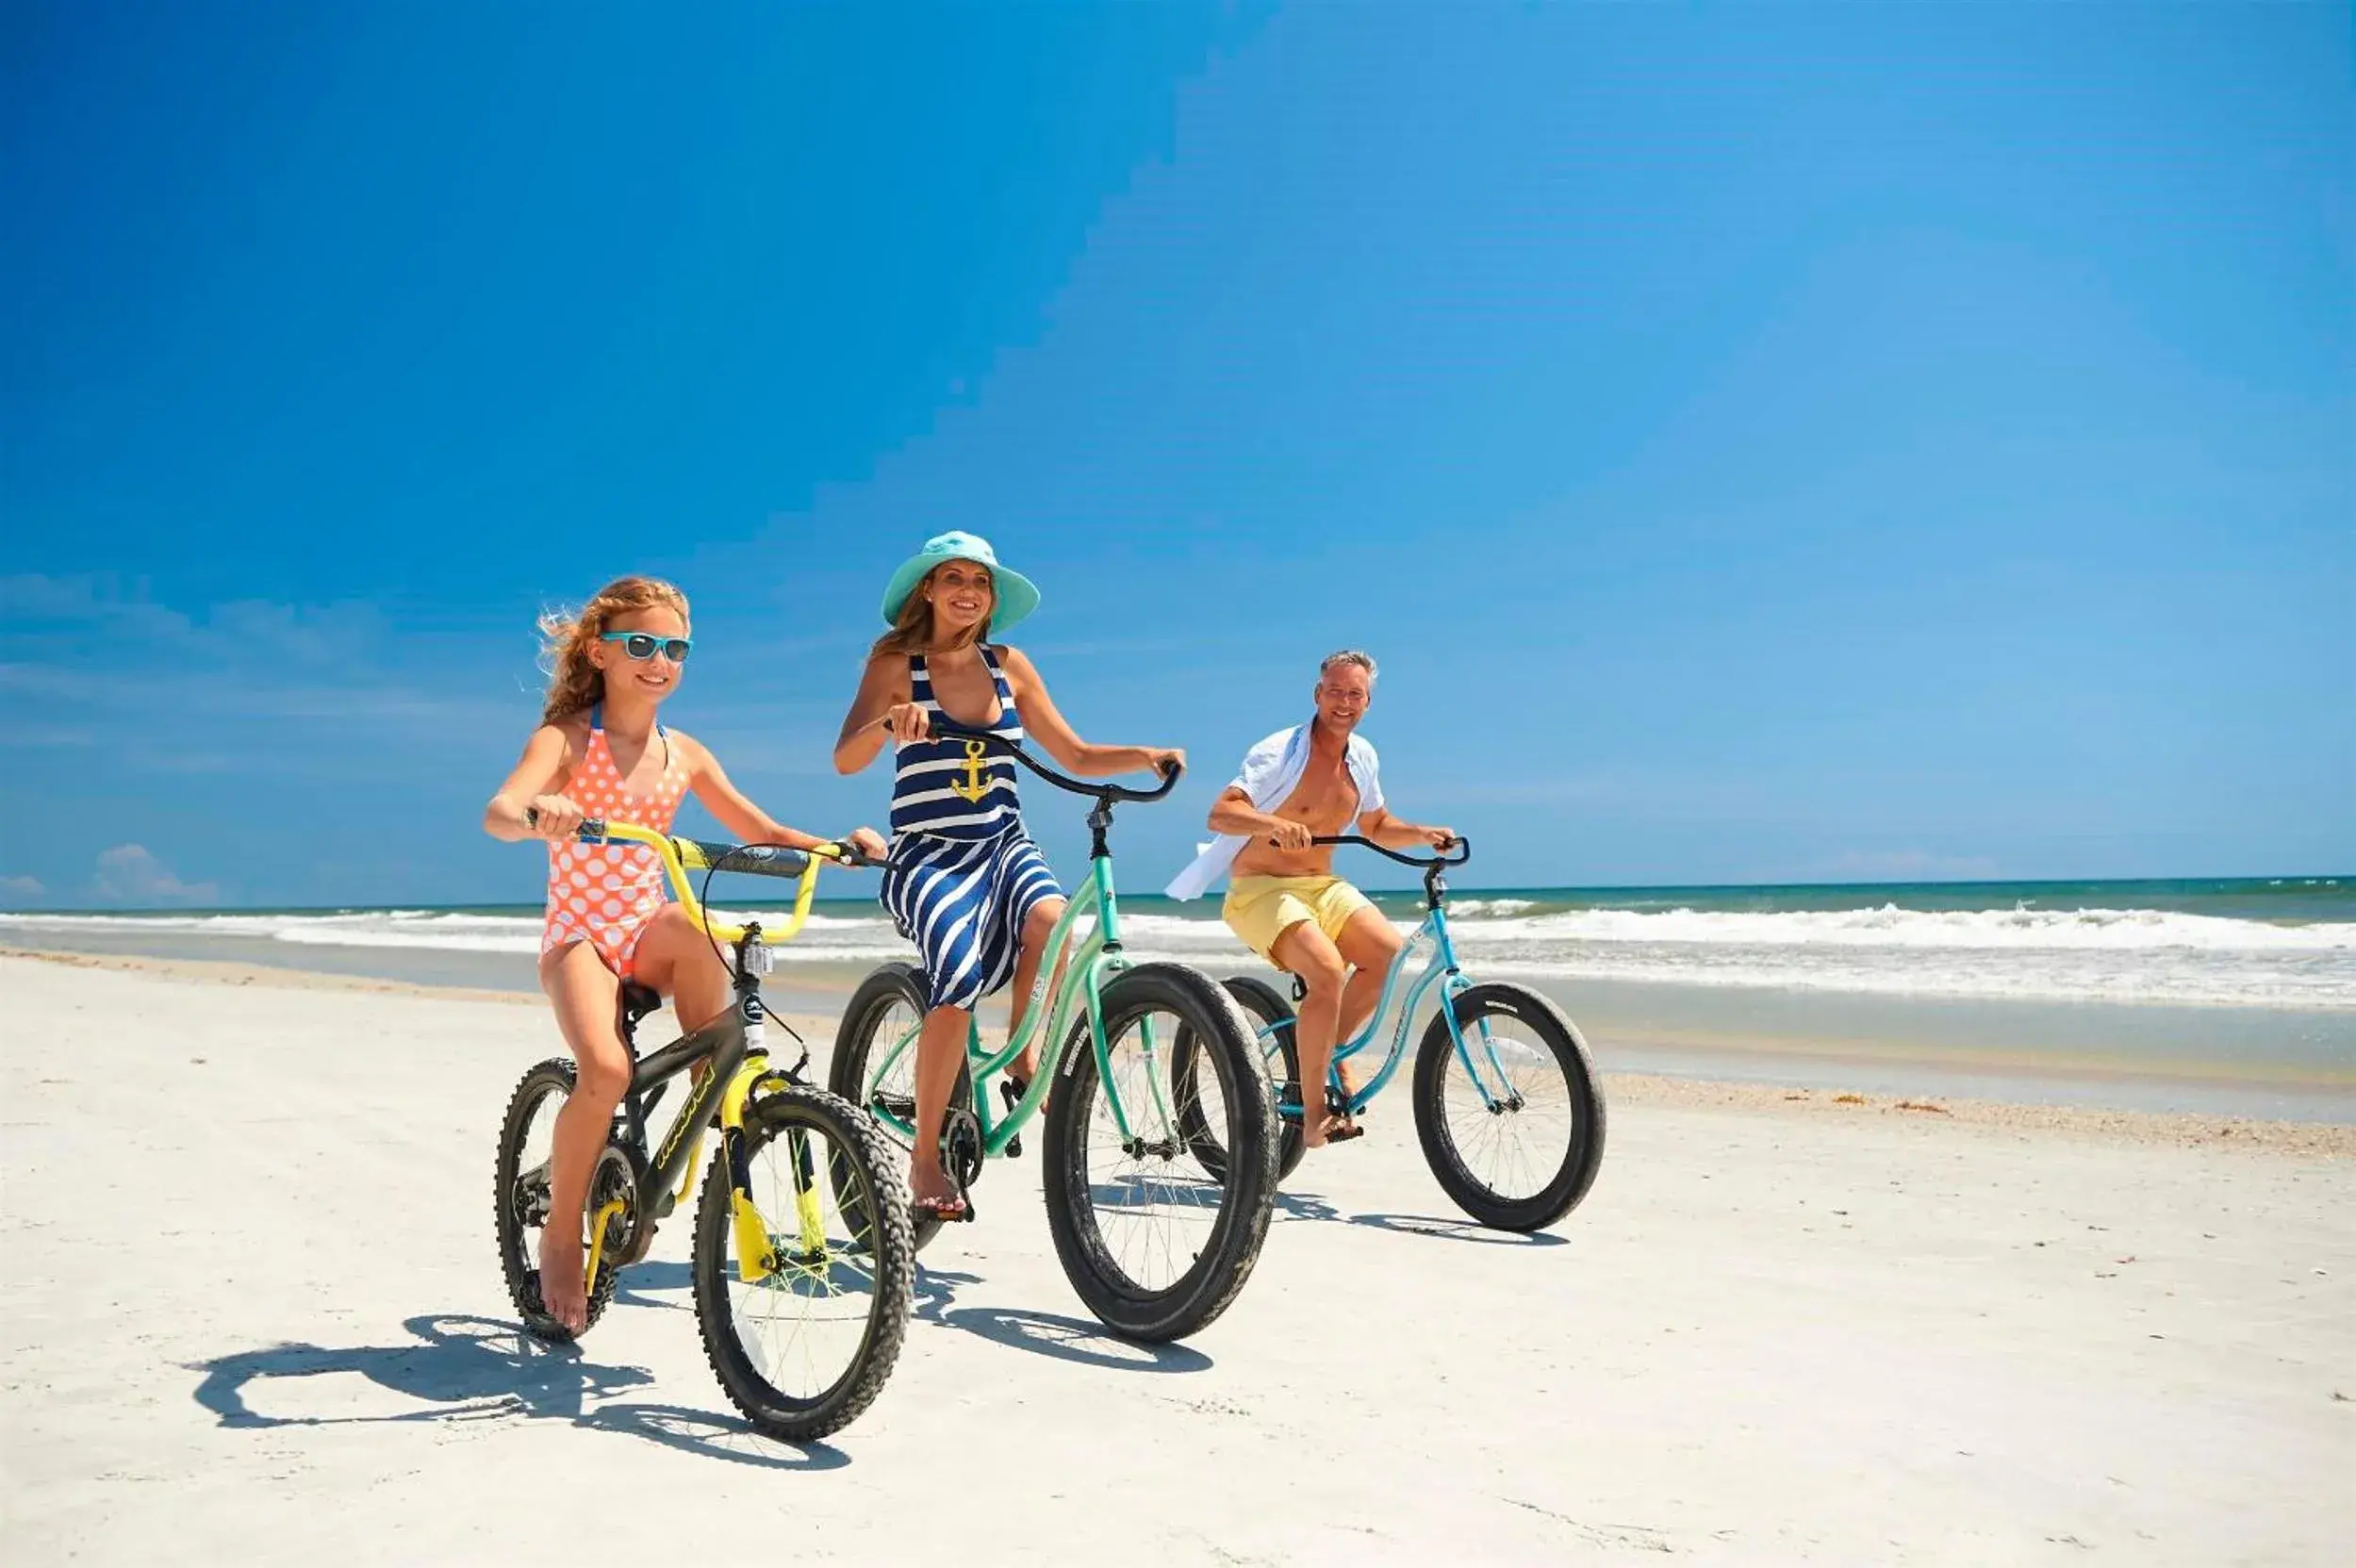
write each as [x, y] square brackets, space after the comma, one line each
[2231, 995]
[2278, 944]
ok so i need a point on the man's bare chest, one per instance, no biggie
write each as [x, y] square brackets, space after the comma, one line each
[1325, 799]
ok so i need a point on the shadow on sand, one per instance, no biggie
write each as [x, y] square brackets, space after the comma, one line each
[1066, 1339]
[1293, 1206]
[465, 1368]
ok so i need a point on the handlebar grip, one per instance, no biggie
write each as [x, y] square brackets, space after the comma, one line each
[1463, 846]
[591, 831]
[1171, 773]
[757, 860]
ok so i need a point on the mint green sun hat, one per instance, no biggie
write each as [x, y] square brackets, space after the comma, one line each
[1016, 595]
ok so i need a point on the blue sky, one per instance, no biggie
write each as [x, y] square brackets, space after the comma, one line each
[1760, 443]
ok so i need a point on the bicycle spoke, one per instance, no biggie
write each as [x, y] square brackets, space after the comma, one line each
[1515, 1153]
[1152, 1209]
[893, 1087]
[802, 1326]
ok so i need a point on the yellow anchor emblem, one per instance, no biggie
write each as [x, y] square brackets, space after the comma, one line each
[973, 789]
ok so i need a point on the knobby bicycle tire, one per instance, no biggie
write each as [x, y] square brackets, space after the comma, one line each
[882, 1238]
[555, 1076]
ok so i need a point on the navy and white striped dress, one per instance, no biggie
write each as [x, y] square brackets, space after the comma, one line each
[964, 875]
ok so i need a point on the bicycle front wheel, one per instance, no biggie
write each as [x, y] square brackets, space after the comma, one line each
[1156, 1249]
[804, 1268]
[1523, 1156]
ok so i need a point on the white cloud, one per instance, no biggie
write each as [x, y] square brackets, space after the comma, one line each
[130, 874]
[18, 889]
[235, 630]
[85, 599]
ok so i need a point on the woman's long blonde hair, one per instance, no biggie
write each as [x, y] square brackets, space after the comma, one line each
[575, 684]
[913, 632]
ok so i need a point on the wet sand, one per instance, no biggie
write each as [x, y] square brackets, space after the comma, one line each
[1762, 1043]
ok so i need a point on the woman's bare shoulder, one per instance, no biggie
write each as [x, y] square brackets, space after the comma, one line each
[887, 668]
[1015, 662]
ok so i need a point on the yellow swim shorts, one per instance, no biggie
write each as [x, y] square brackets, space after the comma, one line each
[1261, 909]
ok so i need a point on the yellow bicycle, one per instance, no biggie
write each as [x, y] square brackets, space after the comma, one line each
[803, 1257]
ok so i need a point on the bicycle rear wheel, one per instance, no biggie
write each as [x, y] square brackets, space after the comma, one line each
[1526, 1162]
[1266, 1010]
[804, 1341]
[888, 1006]
[1155, 1251]
[519, 1197]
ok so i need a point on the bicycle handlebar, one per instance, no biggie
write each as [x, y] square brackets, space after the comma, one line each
[949, 728]
[683, 855]
[1424, 863]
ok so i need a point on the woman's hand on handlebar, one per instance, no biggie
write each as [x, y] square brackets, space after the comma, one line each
[1164, 760]
[868, 845]
[907, 722]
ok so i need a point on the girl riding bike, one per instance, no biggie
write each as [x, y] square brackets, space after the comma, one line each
[600, 751]
[965, 882]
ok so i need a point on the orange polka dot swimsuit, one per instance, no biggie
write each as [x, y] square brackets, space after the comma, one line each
[606, 895]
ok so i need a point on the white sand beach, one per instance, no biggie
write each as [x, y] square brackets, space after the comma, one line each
[253, 1314]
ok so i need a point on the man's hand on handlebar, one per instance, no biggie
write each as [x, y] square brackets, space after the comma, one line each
[1287, 835]
[1441, 838]
[868, 844]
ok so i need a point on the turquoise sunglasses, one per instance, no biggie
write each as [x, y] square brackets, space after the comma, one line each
[642, 645]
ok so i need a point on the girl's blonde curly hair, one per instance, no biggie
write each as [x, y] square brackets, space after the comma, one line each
[575, 684]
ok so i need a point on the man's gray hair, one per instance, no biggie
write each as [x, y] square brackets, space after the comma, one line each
[1358, 656]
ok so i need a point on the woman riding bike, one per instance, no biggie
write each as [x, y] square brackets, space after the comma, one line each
[965, 883]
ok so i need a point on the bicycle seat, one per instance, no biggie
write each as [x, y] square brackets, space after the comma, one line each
[636, 1003]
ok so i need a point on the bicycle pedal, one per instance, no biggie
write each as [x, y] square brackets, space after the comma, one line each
[1013, 1096]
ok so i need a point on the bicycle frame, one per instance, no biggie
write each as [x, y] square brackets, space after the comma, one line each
[735, 1043]
[1092, 960]
[1442, 969]
[1085, 963]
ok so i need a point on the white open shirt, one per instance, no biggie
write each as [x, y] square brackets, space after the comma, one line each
[1270, 771]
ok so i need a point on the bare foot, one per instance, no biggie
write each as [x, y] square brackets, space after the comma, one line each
[563, 1295]
[932, 1192]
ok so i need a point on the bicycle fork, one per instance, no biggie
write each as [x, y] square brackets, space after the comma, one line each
[1499, 1100]
[757, 1255]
